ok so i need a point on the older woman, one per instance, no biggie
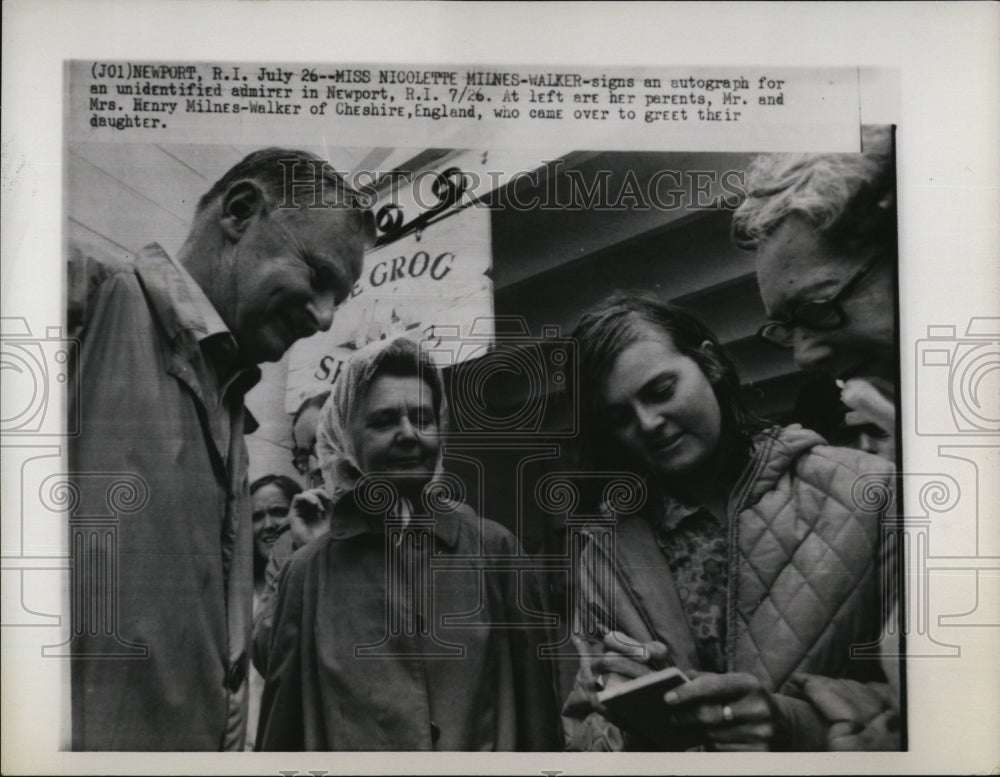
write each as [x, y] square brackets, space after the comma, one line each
[397, 629]
[753, 564]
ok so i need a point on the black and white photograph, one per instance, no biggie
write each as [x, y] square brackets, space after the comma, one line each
[408, 408]
[583, 345]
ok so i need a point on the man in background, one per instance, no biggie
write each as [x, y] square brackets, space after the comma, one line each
[169, 347]
[304, 423]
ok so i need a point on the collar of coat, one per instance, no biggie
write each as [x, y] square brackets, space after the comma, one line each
[178, 300]
[350, 521]
[191, 321]
[775, 451]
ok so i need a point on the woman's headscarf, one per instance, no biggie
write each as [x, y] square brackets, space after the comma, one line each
[336, 440]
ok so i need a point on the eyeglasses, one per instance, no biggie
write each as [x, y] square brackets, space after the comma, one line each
[818, 314]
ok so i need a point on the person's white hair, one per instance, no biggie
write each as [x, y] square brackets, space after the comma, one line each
[849, 199]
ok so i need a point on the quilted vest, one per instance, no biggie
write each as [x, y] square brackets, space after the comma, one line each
[804, 565]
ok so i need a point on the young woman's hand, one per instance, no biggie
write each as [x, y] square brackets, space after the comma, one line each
[624, 658]
[734, 710]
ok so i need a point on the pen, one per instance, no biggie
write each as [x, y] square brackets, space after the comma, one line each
[596, 622]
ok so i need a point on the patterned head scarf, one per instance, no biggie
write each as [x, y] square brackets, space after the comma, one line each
[336, 437]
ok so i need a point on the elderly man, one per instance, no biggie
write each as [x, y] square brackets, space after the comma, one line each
[824, 231]
[169, 346]
[304, 423]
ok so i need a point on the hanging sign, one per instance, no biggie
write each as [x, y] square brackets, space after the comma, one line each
[428, 282]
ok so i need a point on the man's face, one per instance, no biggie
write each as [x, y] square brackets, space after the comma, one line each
[286, 273]
[795, 265]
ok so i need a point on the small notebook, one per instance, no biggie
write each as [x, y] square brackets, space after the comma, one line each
[638, 705]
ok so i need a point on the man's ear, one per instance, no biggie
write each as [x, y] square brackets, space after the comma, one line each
[241, 202]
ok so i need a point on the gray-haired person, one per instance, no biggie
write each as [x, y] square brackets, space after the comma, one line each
[823, 229]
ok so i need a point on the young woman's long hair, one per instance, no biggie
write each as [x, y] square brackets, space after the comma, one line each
[619, 322]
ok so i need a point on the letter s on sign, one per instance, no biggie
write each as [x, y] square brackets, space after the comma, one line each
[325, 367]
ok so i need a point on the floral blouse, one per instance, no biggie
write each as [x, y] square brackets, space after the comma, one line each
[695, 545]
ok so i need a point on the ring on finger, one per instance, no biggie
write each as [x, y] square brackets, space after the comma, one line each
[727, 713]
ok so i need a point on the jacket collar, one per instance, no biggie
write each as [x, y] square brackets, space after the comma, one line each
[349, 521]
[776, 450]
[193, 326]
[186, 313]
[177, 300]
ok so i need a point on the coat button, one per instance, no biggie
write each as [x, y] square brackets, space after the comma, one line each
[435, 732]
[237, 673]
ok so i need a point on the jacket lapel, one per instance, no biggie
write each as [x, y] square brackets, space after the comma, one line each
[644, 568]
[170, 297]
